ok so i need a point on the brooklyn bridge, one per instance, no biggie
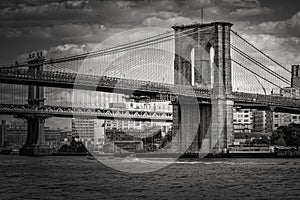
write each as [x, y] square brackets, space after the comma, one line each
[203, 70]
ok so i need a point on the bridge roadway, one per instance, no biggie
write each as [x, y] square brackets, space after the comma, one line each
[99, 113]
[147, 88]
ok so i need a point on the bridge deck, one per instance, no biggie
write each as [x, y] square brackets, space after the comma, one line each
[127, 86]
[99, 113]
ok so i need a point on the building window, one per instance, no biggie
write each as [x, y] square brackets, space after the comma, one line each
[275, 116]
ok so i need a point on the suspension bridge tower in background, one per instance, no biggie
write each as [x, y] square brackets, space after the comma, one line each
[35, 144]
[203, 60]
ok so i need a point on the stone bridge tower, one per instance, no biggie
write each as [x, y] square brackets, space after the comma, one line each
[202, 60]
[35, 144]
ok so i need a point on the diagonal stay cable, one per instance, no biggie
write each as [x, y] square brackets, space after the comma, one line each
[255, 73]
[124, 47]
[254, 61]
[260, 51]
[283, 79]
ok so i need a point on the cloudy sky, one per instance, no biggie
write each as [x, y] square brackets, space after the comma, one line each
[70, 27]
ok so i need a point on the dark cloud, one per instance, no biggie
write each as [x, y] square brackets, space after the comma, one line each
[45, 24]
[240, 3]
[286, 28]
[242, 12]
[66, 27]
[51, 13]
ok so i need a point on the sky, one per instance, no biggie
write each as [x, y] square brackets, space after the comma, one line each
[60, 27]
[68, 27]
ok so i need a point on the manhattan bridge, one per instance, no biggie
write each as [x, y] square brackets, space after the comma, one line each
[203, 70]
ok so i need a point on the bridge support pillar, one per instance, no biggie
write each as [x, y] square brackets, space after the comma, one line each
[201, 143]
[35, 143]
[222, 125]
[203, 128]
[186, 125]
[192, 127]
[269, 120]
[212, 69]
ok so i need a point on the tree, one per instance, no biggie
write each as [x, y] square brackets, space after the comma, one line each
[280, 142]
[73, 147]
[287, 135]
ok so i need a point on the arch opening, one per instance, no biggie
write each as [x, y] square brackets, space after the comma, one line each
[212, 64]
[193, 66]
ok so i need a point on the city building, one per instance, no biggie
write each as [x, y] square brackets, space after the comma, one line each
[132, 140]
[53, 137]
[242, 120]
[284, 119]
[259, 121]
[83, 128]
[129, 135]
[295, 76]
[66, 135]
[138, 125]
[252, 121]
[262, 121]
[91, 131]
[15, 134]
[290, 92]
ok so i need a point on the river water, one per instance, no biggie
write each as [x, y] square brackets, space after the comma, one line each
[81, 178]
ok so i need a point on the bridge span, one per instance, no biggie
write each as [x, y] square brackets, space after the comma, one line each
[142, 88]
[214, 70]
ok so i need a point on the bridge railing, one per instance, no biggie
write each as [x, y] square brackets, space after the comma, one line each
[104, 81]
[135, 85]
[87, 112]
[266, 99]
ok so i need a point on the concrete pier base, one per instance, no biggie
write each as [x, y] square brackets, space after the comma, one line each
[35, 142]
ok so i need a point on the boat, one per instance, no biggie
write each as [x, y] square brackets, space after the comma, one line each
[251, 151]
[15, 151]
[287, 152]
